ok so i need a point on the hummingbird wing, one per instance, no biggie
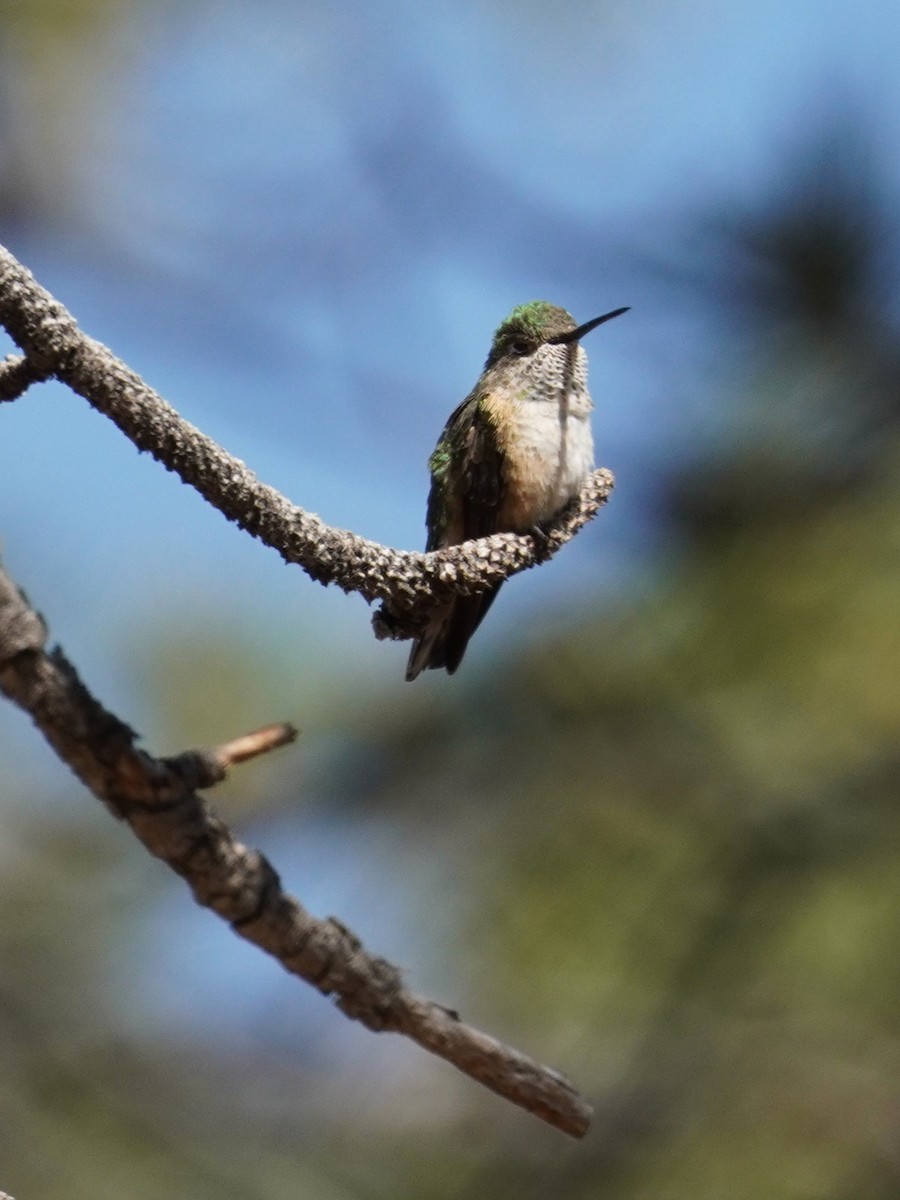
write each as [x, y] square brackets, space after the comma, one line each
[467, 485]
[466, 477]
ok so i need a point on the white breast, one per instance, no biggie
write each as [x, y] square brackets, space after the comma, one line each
[554, 445]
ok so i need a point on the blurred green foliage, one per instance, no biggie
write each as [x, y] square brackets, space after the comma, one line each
[57, 58]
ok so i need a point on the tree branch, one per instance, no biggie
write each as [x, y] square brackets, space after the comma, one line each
[409, 583]
[156, 798]
[17, 374]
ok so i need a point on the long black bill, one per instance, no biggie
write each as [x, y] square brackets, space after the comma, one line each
[577, 334]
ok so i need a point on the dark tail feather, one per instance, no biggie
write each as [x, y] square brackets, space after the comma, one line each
[444, 642]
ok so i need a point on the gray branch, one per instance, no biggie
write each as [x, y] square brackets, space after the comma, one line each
[408, 583]
[158, 800]
[17, 374]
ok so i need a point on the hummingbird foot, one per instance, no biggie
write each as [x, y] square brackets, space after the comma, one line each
[544, 545]
[391, 626]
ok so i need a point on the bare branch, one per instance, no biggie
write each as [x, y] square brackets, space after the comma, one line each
[17, 374]
[261, 741]
[177, 826]
[407, 582]
[199, 769]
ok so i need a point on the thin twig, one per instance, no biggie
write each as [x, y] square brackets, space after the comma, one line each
[249, 745]
[198, 769]
[178, 827]
[408, 582]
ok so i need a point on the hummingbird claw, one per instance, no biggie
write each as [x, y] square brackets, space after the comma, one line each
[543, 545]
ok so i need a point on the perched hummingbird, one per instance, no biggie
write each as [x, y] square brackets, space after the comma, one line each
[513, 454]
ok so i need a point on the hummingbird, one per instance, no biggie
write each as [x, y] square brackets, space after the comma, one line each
[510, 458]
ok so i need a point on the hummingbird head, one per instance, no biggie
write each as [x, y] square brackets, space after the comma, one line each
[537, 324]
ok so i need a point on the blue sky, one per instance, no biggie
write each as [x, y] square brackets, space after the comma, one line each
[303, 230]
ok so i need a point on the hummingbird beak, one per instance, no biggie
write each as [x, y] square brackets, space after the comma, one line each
[577, 334]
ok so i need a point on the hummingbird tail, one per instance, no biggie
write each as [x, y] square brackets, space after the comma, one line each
[444, 642]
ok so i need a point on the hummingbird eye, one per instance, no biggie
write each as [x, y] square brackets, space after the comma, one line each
[521, 347]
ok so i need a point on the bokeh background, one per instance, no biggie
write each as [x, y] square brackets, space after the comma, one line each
[650, 832]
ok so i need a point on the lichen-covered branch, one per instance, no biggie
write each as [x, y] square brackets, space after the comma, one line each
[407, 582]
[159, 801]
